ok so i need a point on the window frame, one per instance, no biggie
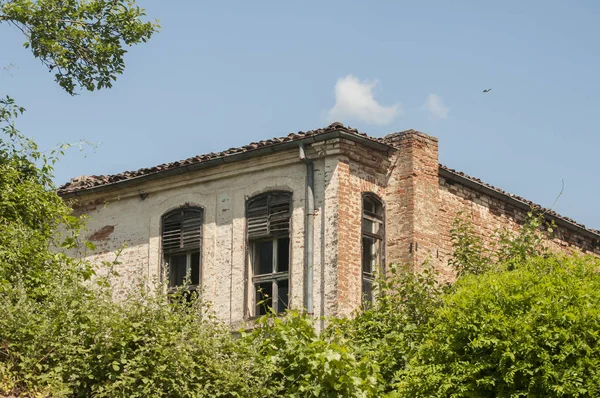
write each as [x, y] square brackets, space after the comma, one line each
[253, 278]
[188, 251]
[369, 277]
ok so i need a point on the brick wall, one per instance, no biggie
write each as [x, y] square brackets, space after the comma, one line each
[421, 206]
[360, 171]
[412, 198]
[490, 214]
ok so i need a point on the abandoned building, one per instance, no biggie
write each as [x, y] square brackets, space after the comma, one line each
[305, 220]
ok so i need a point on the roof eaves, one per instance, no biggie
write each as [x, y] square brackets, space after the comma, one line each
[516, 201]
[229, 158]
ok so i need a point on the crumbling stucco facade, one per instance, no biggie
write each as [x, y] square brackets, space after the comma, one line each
[420, 199]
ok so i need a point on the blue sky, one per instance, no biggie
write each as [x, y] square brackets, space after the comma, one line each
[223, 74]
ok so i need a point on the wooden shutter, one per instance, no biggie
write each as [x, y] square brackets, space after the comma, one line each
[269, 214]
[182, 230]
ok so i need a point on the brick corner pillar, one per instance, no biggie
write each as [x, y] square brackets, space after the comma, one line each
[412, 198]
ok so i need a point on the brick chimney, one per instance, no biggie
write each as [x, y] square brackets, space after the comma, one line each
[412, 198]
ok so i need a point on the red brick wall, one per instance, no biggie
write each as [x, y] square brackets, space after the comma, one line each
[421, 207]
[491, 214]
[412, 198]
[359, 171]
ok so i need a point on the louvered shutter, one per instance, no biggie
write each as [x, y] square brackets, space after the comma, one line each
[182, 230]
[279, 214]
[257, 217]
[269, 215]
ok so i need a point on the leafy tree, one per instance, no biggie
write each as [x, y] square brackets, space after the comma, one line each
[533, 331]
[82, 42]
[389, 332]
[34, 222]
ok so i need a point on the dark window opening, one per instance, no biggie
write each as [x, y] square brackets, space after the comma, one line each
[264, 297]
[182, 247]
[373, 236]
[268, 220]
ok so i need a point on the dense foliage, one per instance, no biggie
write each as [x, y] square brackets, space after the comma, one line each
[302, 363]
[78, 342]
[82, 42]
[388, 332]
[530, 332]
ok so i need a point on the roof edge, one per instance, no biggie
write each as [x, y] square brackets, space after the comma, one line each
[138, 180]
[521, 204]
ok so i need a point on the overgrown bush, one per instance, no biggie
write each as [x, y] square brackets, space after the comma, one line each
[533, 331]
[62, 335]
[388, 332]
[302, 363]
[78, 342]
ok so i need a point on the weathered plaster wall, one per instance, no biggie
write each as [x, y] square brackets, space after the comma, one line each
[125, 218]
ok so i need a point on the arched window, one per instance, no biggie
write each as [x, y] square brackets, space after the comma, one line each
[373, 236]
[268, 230]
[182, 246]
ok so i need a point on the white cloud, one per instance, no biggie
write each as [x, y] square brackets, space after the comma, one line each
[435, 105]
[354, 100]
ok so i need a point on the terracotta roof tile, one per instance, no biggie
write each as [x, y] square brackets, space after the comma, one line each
[82, 183]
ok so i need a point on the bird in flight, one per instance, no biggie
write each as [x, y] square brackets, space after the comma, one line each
[487, 91]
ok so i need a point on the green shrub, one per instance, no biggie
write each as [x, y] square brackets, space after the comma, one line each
[62, 335]
[302, 363]
[533, 331]
[387, 333]
[79, 342]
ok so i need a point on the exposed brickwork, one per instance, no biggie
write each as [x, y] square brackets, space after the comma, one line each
[515, 199]
[348, 241]
[412, 198]
[102, 234]
[490, 215]
[360, 171]
[421, 206]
